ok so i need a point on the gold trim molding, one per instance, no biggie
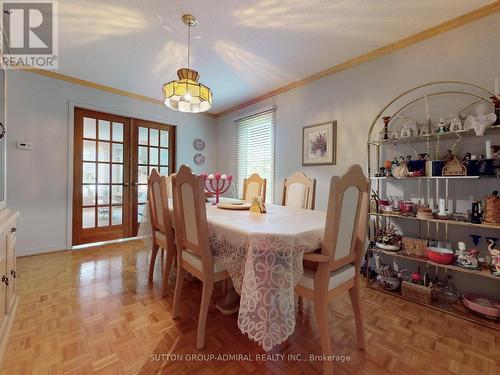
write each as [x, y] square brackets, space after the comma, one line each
[431, 32]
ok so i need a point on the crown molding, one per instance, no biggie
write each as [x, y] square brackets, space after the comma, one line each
[431, 32]
[96, 86]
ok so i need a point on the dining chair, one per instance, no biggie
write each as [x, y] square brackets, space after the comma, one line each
[254, 186]
[299, 191]
[161, 225]
[339, 260]
[193, 248]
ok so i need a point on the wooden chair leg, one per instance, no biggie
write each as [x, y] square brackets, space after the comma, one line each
[301, 304]
[162, 253]
[178, 288]
[358, 317]
[321, 312]
[208, 287]
[166, 273]
[152, 262]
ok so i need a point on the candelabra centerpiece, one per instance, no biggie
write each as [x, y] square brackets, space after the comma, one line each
[217, 184]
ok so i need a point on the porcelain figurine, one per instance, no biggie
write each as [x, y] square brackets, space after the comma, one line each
[455, 124]
[448, 156]
[467, 259]
[441, 126]
[401, 169]
[495, 258]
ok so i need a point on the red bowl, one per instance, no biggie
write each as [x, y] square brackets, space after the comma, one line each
[440, 255]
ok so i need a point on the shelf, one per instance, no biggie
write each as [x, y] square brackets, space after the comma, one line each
[433, 178]
[495, 129]
[457, 309]
[484, 272]
[449, 222]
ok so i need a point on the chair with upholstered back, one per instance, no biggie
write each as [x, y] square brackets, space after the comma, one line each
[161, 224]
[339, 261]
[193, 248]
[254, 186]
[299, 191]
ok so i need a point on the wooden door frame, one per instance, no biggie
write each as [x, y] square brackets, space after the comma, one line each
[72, 107]
[172, 163]
[106, 233]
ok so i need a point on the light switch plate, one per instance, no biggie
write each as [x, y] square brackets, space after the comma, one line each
[23, 145]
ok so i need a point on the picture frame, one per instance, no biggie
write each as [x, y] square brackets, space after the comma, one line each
[319, 144]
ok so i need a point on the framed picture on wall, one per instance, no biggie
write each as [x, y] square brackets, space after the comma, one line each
[319, 144]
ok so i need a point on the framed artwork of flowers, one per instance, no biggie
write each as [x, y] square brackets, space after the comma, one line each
[319, 144]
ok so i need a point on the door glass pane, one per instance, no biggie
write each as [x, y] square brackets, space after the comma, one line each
[117, 132]
[163, 138]
[142, 193]
[103, 173]
[88, 217]
[143, 174]
[103, 151]
[143, 155]
[89, 150]
[143, 136]
[88, 173]
[153, 156]
[116, 215]
[89, 127]
[164, 171]
[153, 137]
[117, 194]
[88, 195]
[140, 211]
[117, 174]
[104, 130]
[102, 216]
[163, 156]
[103, 195]
[118, 152]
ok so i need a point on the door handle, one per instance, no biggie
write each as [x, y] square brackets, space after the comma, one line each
[125, 184]
[13, 273]
[135, 184]
[5, 279]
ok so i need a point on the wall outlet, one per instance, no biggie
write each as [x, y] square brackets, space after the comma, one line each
[23, 145]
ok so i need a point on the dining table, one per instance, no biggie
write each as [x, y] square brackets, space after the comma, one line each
[263, 254]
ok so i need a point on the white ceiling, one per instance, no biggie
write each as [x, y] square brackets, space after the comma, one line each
[240, 48]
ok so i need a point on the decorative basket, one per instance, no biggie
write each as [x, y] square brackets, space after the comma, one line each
[492, 209]
[415, 246]
[416, 292]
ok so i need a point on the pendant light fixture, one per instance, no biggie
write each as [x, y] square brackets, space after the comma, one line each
[186, 94]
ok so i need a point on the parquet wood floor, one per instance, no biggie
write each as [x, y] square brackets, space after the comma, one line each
[92, 311]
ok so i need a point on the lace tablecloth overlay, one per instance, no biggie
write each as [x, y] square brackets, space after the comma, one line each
[263, 255]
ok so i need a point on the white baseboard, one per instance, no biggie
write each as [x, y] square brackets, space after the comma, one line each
[36, 251]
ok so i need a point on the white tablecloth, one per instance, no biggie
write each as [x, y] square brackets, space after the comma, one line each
[263, 255]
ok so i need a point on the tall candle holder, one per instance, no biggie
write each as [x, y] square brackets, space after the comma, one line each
[496, 103]
[386, 120]
[217, 184]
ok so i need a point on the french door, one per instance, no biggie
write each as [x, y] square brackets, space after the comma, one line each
[113, 156]
[153, 148]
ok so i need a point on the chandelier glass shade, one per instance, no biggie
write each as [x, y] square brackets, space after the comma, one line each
[186, 94]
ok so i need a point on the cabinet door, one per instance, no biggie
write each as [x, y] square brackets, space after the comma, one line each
[3, 276]
[10, 270]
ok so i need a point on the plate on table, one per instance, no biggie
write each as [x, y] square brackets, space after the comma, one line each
[234, 205]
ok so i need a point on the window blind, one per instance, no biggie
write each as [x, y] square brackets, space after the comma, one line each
[255, 149]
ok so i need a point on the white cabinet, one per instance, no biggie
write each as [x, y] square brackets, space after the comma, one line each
[8, 275]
